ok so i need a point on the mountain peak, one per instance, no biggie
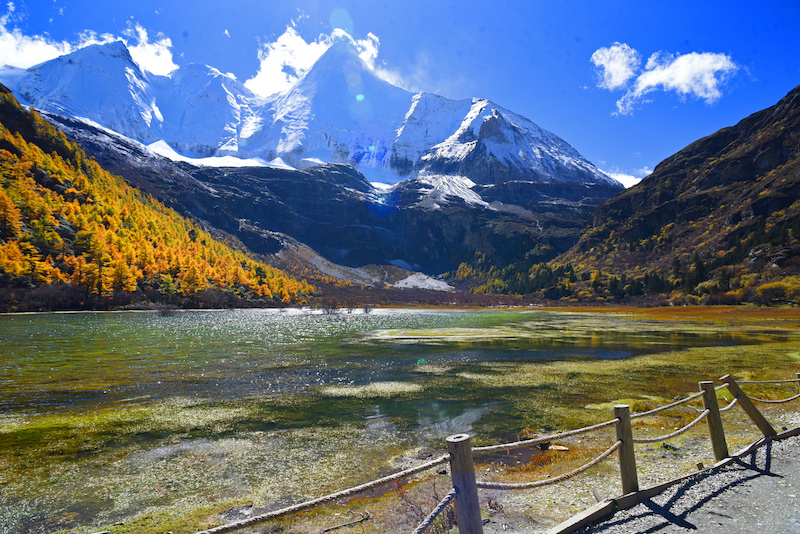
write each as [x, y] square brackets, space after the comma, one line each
[99, 53]
[341, 58]
[343, 44]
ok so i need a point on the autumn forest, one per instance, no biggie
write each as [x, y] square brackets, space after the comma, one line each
[74, 236]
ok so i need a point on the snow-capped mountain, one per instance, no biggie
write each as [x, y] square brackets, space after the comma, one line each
[101, 83]
[338, 112]
[205, 110]
[494, 145]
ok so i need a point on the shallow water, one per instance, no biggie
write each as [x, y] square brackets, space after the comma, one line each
[103, 415]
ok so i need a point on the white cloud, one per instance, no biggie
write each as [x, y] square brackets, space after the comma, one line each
[286, 59]
[20, 50]
[24, 51]
[155, 57]
[629, 180]
[696, 74]
[617, 64]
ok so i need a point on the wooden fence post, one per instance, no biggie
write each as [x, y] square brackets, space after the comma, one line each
[748, 406]
[462, 471]
[715, 429]
[627, 457]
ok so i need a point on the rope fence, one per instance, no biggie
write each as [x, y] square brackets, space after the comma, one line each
[791, 380]
[540, 440]
[555, 480]
[676, 433]
[250, 521]
[668, 406]
[443, 504]
[729, 406]
[462, 470]
[766, 401]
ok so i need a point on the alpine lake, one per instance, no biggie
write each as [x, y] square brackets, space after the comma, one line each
[110, 417]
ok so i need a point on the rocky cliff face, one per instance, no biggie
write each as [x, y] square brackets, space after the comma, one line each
[333, 209]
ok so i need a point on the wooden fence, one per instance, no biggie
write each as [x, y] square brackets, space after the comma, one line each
[461, 457]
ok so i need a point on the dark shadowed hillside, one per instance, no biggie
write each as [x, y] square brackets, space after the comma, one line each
[719, 222]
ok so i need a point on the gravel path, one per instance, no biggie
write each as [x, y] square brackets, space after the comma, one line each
[757, 494]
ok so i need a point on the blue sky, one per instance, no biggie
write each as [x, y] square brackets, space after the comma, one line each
[626, 83]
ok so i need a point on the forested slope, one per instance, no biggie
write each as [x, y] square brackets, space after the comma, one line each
[74, 236]
[718, 222]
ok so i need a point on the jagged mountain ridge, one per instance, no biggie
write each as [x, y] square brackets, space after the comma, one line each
[199, 108]
[339, 111]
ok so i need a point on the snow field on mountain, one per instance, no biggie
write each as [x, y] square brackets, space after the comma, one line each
[339, 111]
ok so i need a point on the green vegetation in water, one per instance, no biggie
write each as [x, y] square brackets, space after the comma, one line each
[363, 401]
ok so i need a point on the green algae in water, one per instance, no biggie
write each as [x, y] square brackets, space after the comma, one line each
[109, 417]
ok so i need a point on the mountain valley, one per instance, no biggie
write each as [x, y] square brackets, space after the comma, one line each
[470, 179]
[347, 177]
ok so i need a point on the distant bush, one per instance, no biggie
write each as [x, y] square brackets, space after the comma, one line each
[786, 290]
[729, 298]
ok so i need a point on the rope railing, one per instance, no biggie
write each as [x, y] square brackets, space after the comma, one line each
[729, 406]
[428, 521]
[676, 433]
[461, 457]
[789, 381]
[780, 401]
[250, 521]
[667, 406]
[555, 480]
[542, 439]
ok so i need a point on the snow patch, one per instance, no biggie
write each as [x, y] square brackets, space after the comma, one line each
[278, 163]
[307, 163]
[161, 148]
[423, 281]
[443, 189]
[513, 208]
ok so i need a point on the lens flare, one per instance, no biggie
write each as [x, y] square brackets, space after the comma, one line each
[359, 97]
[340, 18]
[353, 79]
